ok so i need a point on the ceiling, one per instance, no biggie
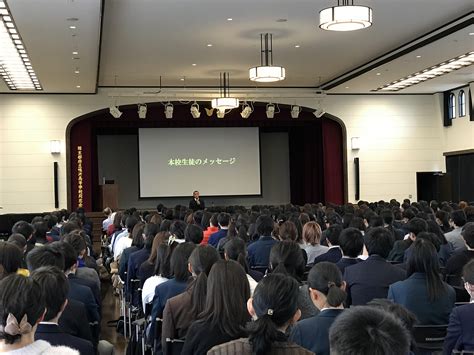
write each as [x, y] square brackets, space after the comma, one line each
[137, 41]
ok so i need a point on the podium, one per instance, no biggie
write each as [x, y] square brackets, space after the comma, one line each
[109, 196]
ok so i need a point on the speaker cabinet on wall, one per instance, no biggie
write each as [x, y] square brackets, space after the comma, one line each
[56, 192]
[357, 179]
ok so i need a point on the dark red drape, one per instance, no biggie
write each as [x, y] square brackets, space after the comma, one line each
[333, 162]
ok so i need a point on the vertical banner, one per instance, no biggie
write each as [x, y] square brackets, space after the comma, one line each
[81, 179]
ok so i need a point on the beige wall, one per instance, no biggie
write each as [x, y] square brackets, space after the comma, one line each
[400, 136]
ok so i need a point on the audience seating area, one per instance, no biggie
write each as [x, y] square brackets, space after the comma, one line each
[367, 278]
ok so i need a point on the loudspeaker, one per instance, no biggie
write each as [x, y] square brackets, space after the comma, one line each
[56, 188]
[357, 179]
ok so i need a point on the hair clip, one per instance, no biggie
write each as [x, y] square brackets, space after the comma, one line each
[13, 328]
[270, 312]
[171, 240]
[331, 284]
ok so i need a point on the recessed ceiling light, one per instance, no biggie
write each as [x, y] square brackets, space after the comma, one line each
[471, 33]
[297, 46]
[209, 44]
[182, 79]
[78, 86]
[194, 64]
[75, 52]
[72, 27]
[378, 74]
[418, 56]
[76, 71]
[347, 87]
[229, 19]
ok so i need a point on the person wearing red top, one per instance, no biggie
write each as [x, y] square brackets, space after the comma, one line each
[211, 229]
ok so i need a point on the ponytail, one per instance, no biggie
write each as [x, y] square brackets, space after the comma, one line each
[327, 279]
[335, 296]
[242, 261]
[262, 333]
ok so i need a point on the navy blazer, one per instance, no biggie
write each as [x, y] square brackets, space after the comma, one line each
[215, 237]
[460, 329]
[84, 294]
[313, 333]
[370, 279]
[333, 255]
[412, 293]
[346, 262]
[259, 251]
[74, 320]
[56, 337]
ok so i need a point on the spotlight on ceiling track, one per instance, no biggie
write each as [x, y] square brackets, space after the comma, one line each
[115, 112]
[295, 111]
[142, 110]
[319, 112]
[169, 108]
[246, 110]
[270, 111]
[195, 110]
[220, 113]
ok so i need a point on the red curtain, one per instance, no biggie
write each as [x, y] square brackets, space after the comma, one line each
[333, 162]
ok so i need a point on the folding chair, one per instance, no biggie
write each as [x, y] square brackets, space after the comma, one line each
[174, 346]
[429, 337]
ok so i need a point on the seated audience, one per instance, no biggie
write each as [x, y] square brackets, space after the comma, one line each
[312, 239]
[351, 242]
[259, 251]
[22, 309]
[461, 326]
[181, 310]
[212, 228]
[457, 221]
[334, 253]
[424, 293]
[223, 221]
[460, 258]
[136, 243]
[147, 268]
[286, 258]
[225, 313]
[371, 278]
[26, 230]
[414, 226]
[327, 291]
[54, 287]
[367, 330]
[236, 250]
[11, 259]
[273, 308]
[176, 285]
[193, 234]
[445, 249]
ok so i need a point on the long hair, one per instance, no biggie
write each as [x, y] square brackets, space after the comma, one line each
[286, 257]
[235, 249]
[275, 302]
[227, 293]
[424, 259]
[202, 259]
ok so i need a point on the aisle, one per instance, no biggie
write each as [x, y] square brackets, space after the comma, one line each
[111, 311]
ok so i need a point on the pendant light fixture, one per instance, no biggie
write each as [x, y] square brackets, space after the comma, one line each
[266, 72]
[345, 17]
[224, 102]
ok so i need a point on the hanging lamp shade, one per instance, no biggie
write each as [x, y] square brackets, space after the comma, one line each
[266, 72]
[224, 102]
[345, 17]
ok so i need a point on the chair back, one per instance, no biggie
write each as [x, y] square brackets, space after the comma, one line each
[174, 346]
[429, 337]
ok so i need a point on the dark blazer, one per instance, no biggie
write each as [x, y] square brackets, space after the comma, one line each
[313, 333]
[346, 262]
[145, 271]
[412, 293]
[84, 294]
[333, 255]
[92, 285]
[398, 251]
[193, 205]
[215, 237]
[457, 261]
[56, 337]
[259, 251]
[74, 320]
[123, 265]
[177, 317]
[460, 329]
[370, 279]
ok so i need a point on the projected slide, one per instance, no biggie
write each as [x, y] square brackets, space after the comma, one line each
[215, 161]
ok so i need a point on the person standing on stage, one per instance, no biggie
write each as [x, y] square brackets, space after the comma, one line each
[196, 203]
